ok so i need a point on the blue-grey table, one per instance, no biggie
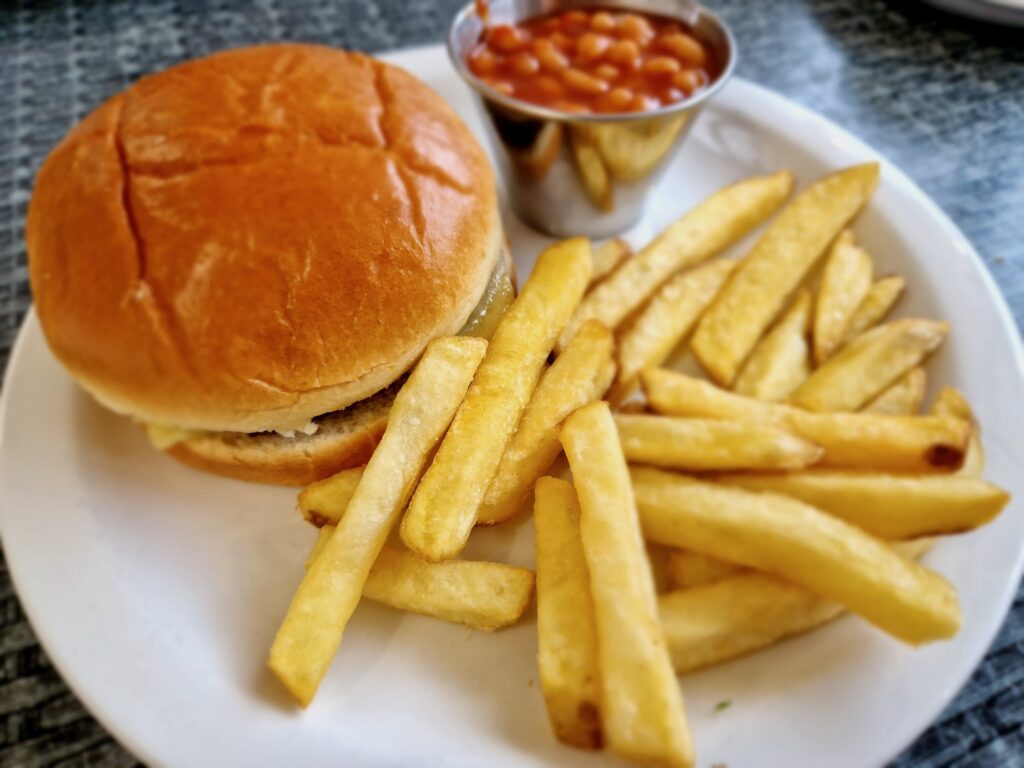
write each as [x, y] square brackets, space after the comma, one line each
[940, 96]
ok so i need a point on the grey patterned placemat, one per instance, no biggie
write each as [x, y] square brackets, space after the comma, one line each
[942, 97]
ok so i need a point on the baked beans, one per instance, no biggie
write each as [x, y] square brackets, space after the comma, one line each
[594, 60]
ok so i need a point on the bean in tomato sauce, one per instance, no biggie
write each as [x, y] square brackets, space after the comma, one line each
[595, 61]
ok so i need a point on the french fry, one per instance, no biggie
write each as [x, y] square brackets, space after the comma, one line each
[850, 440]
[312, 629]
[706, 445]
[656, 557]
[632, 150]
[325, 501]
[711, 227]
[581, 374]
[608, 257]
[690, 569]
[779, 260]
[744, 612]
[686, 570]
[633, 407]
[643, 711]
[665, 322]
[443, 510]
[869, 364]
[737, 615]
[881, 298]
[905, 395]
[951, 402]
[481, 595]
[534, 160]
[709, 627]
[591, 171]
[781, 361]
[567, 653]
[888, 506]
[478, 594]
[792, 540]
[845, 283]
[892, 443]
[913, 550]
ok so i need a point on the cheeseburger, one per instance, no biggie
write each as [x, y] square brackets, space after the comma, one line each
[247, 252]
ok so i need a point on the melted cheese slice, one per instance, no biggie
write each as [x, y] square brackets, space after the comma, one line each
[163, 437]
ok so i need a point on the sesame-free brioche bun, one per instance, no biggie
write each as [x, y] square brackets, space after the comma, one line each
[251, 240]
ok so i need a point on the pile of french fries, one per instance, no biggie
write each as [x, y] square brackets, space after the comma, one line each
[798, 481]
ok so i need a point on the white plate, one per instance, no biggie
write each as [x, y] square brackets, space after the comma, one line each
[1006, 12]
[156, 590]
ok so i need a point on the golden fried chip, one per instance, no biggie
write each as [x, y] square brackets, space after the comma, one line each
[710, 228]
[891, 506]
[443, 510]
[795, 541]
[325, 501]
[707, 445]
[743, 612]
[666, 320]
[567, 654]
[643, 711]
[850, 440]
[951, 402]
[312, 629]
[869, 364]
[903, 396]
[881, 298]
[686, 570]
[478, 594]
[780, 259]
[580, 375]
[845, 283]
[781, 361]
[608, 257]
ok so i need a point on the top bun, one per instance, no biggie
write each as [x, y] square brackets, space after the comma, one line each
[252, 239]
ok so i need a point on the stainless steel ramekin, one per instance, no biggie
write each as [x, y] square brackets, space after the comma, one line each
[570, 174]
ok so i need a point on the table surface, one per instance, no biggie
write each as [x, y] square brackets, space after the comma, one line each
[940, 96]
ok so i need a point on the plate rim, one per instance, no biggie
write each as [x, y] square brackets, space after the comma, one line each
[60, 664]
[1009, 324]
[989, 11]
[133, 741]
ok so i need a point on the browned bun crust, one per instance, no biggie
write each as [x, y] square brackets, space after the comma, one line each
[249, 240]
[343, 439]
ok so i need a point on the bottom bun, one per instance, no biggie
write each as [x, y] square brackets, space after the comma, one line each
[343, 439]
